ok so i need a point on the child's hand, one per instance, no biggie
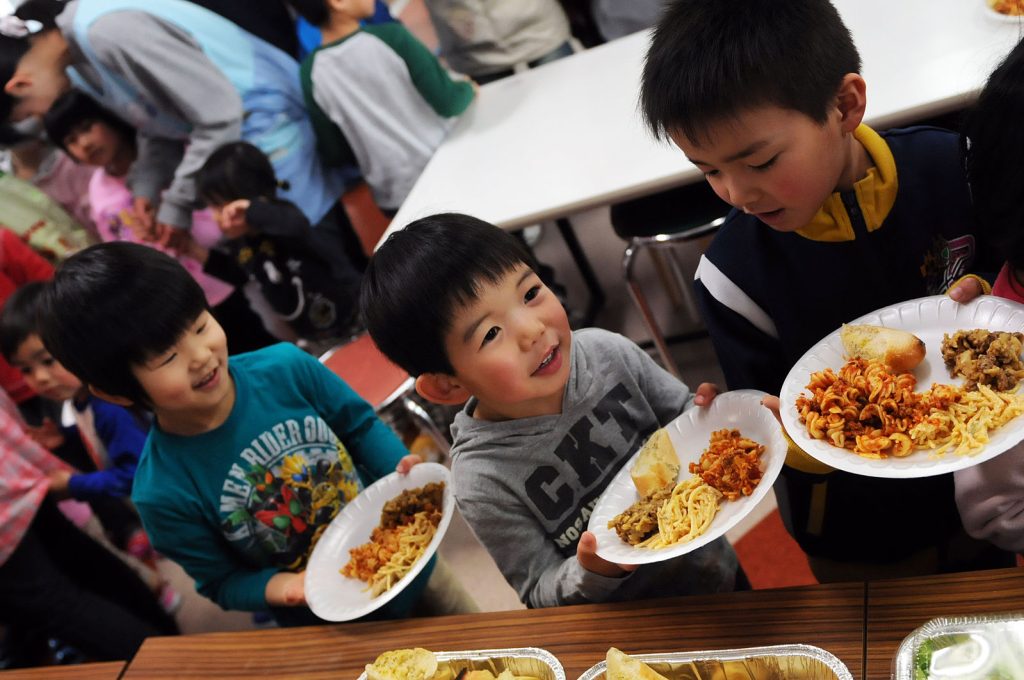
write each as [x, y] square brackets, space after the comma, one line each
[772, 404]
[47, 435]
[231, 218]
[966, 290]
[586, 555]
[706, 393]
[286, 589]
[408, 463]
[59, 483]
[144, 225]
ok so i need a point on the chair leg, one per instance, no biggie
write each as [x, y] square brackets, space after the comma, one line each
[426, 425]
[689, 303]
[637, 293]
[666, 268]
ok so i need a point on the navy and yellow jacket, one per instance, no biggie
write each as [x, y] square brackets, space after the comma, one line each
[904, 231]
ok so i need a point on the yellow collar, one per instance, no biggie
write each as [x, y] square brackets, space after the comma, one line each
[876, 194]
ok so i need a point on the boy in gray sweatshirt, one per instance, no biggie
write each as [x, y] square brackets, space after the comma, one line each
[550, 415]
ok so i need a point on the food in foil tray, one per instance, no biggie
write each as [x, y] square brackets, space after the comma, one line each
[967, 648]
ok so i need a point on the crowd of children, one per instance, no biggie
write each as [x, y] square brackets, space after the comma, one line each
[214, 197]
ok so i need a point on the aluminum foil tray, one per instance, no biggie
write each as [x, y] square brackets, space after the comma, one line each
[539, 663]
[966, 648]
[789, 662]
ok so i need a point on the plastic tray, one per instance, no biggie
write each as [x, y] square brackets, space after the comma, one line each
[966, 648]
[539, 663]
[793, 662]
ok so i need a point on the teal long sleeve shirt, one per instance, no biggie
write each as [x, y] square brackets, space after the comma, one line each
[235, 505]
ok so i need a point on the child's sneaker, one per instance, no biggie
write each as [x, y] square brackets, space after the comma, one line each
[170, 599]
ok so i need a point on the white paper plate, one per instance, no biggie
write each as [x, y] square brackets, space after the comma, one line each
[334, 597]
[999, 16]
[690, 434]
[927, 318]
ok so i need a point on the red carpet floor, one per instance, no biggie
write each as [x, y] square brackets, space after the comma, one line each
[771, 558]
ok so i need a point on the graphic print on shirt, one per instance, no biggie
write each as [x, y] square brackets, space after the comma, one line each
[563, 496]
[286, 487]
[946, 262]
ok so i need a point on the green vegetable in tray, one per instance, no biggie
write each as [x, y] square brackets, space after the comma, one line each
[960, 655]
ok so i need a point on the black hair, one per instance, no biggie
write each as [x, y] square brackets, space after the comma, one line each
[313, 11]
[993, 142]
[113, 306]
[422, 275]
[43, 11]
[710, 60]
[20, 317]
[73, 108]
[234, 171]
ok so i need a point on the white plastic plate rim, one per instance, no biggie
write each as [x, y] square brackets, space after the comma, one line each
[690, 434]
[928, 318]
[334, 597]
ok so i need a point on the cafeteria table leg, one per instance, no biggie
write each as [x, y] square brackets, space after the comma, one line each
[596, 301]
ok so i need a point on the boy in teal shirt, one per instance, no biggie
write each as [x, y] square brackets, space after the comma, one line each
[248, 460]
[377, 97]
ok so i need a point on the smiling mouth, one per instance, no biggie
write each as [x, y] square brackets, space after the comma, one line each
[206, 380]
[548, 359]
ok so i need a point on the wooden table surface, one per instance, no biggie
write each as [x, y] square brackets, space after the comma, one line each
[830, 617]
[899, 606]
[90, 671]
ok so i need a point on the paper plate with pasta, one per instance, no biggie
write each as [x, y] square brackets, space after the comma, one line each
[379, 543]
[957, 404]
[691, 482]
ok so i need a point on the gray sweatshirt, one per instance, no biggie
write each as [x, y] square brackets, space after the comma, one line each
[990, 497]
[158, 58]
[527, 486]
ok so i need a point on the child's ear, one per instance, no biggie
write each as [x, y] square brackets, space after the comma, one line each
[851, 100]
[441, 389]
[112, 398]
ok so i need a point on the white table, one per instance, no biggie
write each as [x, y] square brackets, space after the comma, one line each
[567, 136]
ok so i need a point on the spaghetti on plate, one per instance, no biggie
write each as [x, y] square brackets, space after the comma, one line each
[408, 524]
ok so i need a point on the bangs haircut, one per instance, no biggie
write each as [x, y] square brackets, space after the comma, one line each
[72, 109]
[422, 275]
[710, 60]
[234, 171]
[117, 305]
[993, 141]
[20, 317]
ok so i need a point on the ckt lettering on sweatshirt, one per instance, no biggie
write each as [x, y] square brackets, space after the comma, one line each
[591, 453]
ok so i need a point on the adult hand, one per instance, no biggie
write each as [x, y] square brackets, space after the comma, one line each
[47, 435]
[407, 463]
[144, 225]
[706, 393]
[173, 239]
[586, 554]
[966, 290]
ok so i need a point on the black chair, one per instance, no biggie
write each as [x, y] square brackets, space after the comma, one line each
[658, 223]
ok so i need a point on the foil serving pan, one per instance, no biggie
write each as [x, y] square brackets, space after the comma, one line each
[789, 662]
[539, 663]
[966, 648]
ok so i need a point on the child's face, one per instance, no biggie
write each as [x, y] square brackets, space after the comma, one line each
[44, 374]
[510, 348]
[93, 142]
[189, 383]
[776, 164]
